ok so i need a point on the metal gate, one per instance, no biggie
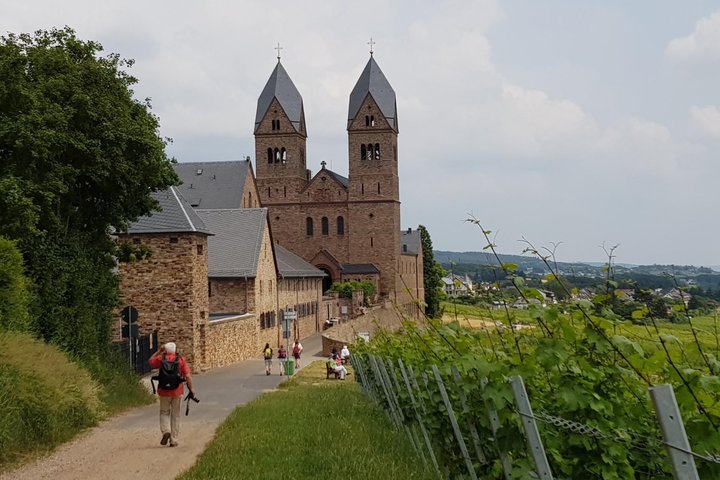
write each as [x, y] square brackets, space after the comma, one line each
[137, 351]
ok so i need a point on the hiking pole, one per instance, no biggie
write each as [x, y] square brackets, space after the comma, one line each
[189, 397]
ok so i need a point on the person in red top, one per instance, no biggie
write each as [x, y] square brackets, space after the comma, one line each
[170, 399]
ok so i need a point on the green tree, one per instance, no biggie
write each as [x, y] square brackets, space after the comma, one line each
[79, 157]
[432, 275]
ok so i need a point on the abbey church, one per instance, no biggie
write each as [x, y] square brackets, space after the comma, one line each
[232, 248]
[344, 226]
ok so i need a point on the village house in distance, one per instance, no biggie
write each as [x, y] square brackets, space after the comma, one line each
[231, 250]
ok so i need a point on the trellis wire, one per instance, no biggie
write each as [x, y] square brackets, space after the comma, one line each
[388, 386]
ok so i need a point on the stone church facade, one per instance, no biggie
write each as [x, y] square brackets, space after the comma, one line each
[231, 249]
[348, 227]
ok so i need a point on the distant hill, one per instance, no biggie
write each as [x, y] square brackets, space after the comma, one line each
[483, 266]
[524, 263]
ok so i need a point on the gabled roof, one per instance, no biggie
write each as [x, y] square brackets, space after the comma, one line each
[358, 268]
[372, 82]
[175, 216]
[210, 185]
[281, 87]
[410, 242]
[234, 251]
[342, 180]
[290, 265]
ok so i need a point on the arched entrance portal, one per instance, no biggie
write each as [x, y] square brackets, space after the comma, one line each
[327, 280]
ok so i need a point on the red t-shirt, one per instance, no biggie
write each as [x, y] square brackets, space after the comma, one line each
[184, 371]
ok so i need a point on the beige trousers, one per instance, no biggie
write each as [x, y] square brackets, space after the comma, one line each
[170, 416]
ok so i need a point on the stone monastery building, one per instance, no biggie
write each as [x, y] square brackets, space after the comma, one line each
[231, 250]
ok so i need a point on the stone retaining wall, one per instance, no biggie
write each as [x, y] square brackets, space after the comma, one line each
[346, 333]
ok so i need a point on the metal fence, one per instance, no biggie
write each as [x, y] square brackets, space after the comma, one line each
[387, 382]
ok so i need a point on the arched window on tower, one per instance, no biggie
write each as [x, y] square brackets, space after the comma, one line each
[372, 120]
[369, 151]
[377, 151]
[367, 120]
[309, 226]
[325, 224]
[273, 124]
[363, 152]
[340, 226]
[283, 155]
[277, 155]
[270, 155]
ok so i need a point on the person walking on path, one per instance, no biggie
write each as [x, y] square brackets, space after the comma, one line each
[267, 355]
[282, 358]
[296, 351]
[174, 371]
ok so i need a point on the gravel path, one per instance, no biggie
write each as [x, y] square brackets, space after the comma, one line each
[128, 446]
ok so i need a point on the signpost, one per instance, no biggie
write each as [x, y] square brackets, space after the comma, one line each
[289, 317]
[129, 316]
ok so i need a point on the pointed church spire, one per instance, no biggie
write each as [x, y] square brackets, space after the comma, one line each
[279, 86]
[372, 82]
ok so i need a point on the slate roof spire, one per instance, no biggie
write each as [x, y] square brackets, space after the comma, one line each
[279, 86]
[372, 82]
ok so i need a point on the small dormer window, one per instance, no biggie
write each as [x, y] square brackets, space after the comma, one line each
[199, 171]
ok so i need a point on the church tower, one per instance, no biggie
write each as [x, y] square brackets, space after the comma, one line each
[280, 137]
[374, 192]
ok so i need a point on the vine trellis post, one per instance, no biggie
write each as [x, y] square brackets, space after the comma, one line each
[380, 381]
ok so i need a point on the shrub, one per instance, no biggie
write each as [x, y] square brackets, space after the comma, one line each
[14, 295]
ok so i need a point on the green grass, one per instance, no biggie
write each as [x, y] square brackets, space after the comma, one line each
[311, 428]
[46, 399]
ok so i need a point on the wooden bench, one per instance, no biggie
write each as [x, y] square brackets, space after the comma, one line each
[331, 371]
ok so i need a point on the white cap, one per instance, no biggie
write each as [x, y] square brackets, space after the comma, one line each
[170, 347]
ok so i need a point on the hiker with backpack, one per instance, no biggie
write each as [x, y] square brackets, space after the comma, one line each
[267, 355]
[282, 358]
[173, 371]
[296, 351]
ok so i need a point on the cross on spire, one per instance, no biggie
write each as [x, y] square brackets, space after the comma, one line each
[323, 163]
[278, 48]
[371, 43]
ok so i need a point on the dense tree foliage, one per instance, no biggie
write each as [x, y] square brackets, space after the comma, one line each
[78, 157]
[432, 276]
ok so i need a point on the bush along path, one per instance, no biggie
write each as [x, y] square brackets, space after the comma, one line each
[310, 428]
[128, 446]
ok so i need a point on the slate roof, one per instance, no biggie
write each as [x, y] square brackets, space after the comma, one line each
[235, 249]
[343, 180]
[280, 86]
[290, 265]
[209, 185]
[358, 268]
[175, 216]
[372, 81]
[412, 239]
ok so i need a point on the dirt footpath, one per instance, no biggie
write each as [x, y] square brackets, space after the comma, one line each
[114, 451]
[128, 446]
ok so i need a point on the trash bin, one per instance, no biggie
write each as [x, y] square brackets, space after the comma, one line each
[290, 366]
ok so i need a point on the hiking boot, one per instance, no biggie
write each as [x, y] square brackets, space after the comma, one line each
[165, 438]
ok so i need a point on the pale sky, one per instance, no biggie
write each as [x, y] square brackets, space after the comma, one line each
[573, 121]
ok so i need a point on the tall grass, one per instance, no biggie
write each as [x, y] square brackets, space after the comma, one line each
[46, 399]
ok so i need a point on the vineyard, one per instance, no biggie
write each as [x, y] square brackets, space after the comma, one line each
[577, 394]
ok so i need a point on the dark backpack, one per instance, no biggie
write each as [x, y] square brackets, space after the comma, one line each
[169, 377]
